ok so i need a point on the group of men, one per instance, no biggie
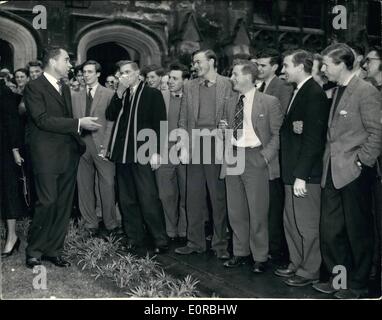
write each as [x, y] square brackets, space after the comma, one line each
[303, 191]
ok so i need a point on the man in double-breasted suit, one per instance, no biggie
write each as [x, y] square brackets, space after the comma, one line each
[56, 147]
[302, 142]
[201, 109]
[93, 102]
[259, 116]
[354, 141]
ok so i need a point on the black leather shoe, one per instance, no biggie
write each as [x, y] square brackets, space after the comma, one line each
[160, 250]
[14, 248]
[298, 281]
[259, 267]
[284, 272]
[235, 261]
[31, 262]
[57, 261]
[222, 254]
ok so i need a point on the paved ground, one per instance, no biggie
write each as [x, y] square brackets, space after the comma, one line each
[241, 282]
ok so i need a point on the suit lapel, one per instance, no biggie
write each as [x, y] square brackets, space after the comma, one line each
[67, 99]
[52, 90]
[219, 98]
[232, 106]
[344, 102]
[257, 103]
[195, 98]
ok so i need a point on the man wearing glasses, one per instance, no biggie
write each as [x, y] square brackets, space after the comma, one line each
[110, 82]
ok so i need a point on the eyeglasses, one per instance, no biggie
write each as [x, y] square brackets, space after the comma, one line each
[111, 82]
[368, 60]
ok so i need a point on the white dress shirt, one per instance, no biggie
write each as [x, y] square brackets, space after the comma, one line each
[297, 90]
[52, 80]
[93, 91]
[249, 137]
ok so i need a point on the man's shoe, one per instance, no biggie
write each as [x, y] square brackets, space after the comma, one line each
[187, 250]
[351, 293]
[284, 272]
[32, 262]
[259, 267]
[161, 249]
[235, 261]
[298, 281]
[222, 254]
[324, 287]
[57, 261]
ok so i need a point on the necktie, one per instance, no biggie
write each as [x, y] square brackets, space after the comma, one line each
[89, 100]
[239, 117]
[59, 87]
[206, 82]
[262, 87]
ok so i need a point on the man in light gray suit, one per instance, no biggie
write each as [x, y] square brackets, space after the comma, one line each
[171, 178]
[202, 108]
[354, 141]
[94, 101]
[259, 116]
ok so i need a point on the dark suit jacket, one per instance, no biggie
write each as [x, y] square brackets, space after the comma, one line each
[355, 132]
[53, 133]
[301, 154]
[281, 90]
[151, 110]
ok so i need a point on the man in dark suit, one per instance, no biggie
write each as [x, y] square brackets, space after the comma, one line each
[202, 108]
[302, 142]
[94, 101]
[137, 109]
[259, 117]
[55, 147]
[268, 62]
[354, 141]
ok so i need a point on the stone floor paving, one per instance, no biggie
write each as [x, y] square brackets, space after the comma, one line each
[216, 281]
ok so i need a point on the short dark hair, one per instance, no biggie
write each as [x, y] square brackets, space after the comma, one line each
[248, 67]
[358, 48]
[273, 54]
[180, 67]
[159, 71]
[34, 63]
[209, 55]
[301, 57]
[133, 64]
[340, 52]
[94, 63]
[23, 70]
[50, 52]
[378, 50]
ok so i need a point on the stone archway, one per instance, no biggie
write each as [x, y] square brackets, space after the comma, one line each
[128, 36]
[21, 39]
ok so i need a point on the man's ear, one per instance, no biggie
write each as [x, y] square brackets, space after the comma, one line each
[275, 67]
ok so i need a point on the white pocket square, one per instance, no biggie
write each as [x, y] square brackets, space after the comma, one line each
[261, 115]
[343, 113]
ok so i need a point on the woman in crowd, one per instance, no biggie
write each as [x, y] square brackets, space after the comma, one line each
[12, 206]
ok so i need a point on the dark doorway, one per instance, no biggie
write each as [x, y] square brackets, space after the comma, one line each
[107, 54]
[6, 53]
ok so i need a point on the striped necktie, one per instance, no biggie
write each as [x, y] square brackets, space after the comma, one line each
[239, 117]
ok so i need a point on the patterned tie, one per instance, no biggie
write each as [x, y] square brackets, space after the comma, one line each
[89, 100]
[206, 82]
[59, 83]
[262, 87]
[239, 116]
